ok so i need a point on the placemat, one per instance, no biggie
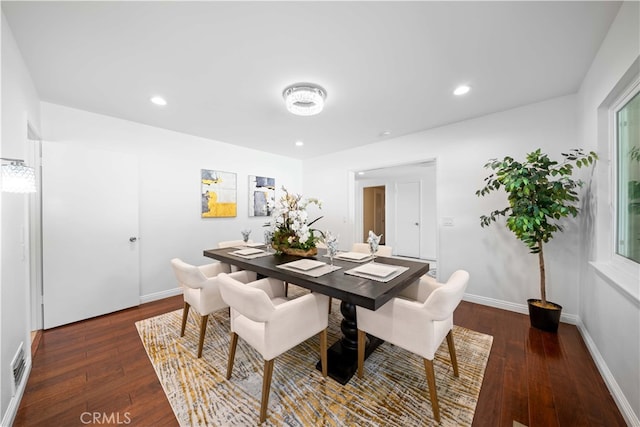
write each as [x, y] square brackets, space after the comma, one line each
[399, 271]
[316, 272]
[252, 256]
[357, 261]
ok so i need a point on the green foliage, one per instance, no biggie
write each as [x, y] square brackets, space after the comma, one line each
[540, 192]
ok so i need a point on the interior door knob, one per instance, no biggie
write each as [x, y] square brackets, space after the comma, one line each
[417, 223]
[133, 239]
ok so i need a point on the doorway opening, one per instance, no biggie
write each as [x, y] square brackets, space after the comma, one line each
[409, 210]
[373, 212]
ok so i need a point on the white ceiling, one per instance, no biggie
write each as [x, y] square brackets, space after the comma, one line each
[222, 66]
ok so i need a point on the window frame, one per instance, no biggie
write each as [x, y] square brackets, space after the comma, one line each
[623, 263]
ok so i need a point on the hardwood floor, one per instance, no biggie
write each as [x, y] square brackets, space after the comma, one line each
[99, 368]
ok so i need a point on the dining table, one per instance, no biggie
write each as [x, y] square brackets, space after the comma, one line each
[368, 282]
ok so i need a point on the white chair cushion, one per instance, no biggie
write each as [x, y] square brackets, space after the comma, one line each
[231, 244]
[269, 322]
[414, 325]
[420, 289]
[200, 291]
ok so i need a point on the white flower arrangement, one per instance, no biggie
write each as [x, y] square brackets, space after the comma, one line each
[290, 222]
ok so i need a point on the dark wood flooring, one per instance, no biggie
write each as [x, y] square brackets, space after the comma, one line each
[99, 366]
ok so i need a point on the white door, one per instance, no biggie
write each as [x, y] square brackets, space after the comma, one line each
[408, 219]
[90, 230]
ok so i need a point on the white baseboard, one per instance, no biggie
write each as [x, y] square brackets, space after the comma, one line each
[496, 303]
[572, 319]
[623, 404]
[12, 410]
[160, 295]
[621, 401]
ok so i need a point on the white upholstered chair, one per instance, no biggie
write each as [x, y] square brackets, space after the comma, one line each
[231, 244]
[364, 248]
[272, 324]
[418, 321]
[201, 291]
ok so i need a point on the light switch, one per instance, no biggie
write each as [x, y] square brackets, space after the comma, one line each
[447, 221]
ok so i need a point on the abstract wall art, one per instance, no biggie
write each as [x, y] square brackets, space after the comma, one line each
[262, 195]
[218, 190]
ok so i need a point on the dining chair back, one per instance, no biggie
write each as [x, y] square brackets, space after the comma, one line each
[418, 320]
[231, 244]
[271, 323]
[383, 250]
[201, 291]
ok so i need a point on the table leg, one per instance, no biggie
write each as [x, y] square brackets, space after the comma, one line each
[349, 327]
[342, 356]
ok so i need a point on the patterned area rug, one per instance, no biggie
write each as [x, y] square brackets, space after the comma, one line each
[393, 391]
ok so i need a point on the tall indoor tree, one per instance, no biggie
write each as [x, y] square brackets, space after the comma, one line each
[540, 193]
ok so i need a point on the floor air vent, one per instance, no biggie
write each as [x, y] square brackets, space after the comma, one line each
[18, 365]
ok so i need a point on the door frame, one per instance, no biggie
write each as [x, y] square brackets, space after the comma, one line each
[34, 150]
[356, 203]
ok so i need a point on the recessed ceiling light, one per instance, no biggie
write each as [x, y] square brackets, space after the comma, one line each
[361, 173]
[385, 133]
[299, 143]
[461, 90]
[158, 100]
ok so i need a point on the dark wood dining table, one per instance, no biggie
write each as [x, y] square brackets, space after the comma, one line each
[351, 290]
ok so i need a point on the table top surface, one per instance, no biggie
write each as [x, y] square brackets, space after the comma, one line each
[360, 291]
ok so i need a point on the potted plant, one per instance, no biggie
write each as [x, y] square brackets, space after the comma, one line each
[540, 193]
[292, 232]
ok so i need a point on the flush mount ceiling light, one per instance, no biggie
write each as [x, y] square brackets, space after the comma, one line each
[17, 177]
[304, 99]
[158, 100]
[461, 90]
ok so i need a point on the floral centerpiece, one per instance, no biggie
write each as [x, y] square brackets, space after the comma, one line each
[292, 232]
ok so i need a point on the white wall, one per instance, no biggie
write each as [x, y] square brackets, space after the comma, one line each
[170, 163]
[609, 301]
[502, 271]
[19, 107]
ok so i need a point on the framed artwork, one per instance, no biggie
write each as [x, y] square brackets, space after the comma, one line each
[262, 195]
[218, 194]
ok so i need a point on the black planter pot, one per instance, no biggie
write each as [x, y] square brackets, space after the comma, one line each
[546, 319]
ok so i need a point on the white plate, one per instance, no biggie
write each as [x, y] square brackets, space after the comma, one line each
[250, 251]
[255, 244]
[378, 270]
[305, 264]
[353, 255]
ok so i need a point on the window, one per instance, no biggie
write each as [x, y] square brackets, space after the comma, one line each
[627, 140]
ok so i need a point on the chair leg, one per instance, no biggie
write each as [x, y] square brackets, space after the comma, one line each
[323, 351]
[266, 386]
[203, 329]
[431, 381]
[362, 339]
[233, 343]
[185, 314]
[452, 352]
